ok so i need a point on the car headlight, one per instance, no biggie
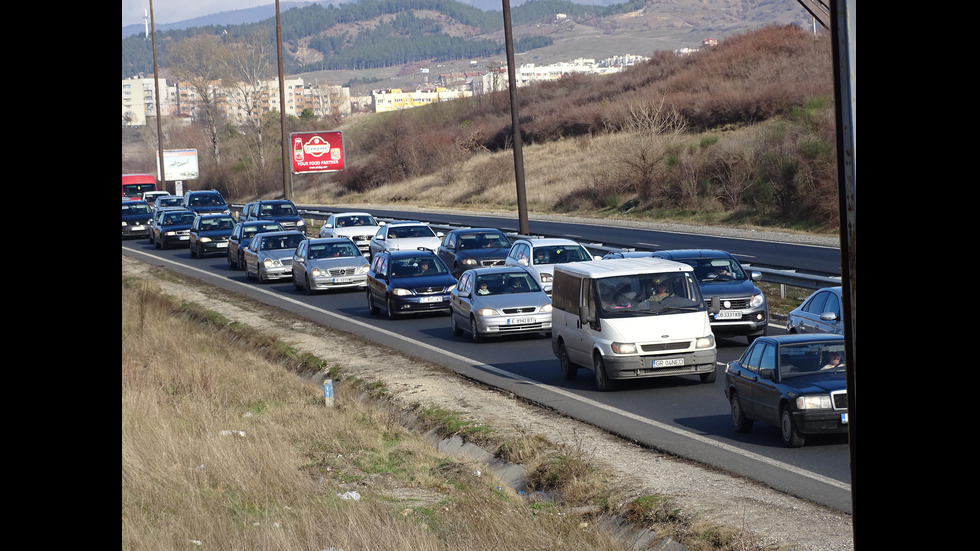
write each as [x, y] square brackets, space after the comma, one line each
[705, 342]
[757, 301]
[205, 240]
[623, 347]
[469, 262]
[363, 269]
[124, 223]
[546, 308]
[301, 223]
[401, 292]
[450, 289]
[813, 402]
[546, 278]
[271, 263]
[318, 272]
[485, 312]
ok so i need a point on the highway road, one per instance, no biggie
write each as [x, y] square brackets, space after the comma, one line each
[677, 415]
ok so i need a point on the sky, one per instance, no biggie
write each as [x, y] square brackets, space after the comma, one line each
[172, 11]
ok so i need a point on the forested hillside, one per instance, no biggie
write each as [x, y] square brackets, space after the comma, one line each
[376, 33]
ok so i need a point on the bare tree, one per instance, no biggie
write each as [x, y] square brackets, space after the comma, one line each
[202, 62]
[251, 66]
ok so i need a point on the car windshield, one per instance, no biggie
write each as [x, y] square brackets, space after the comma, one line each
[139, 208]
[648, 294]
[206, 200]
[349, 221]
[506, 283]
[717, 269]
[277, 209]
[809, 358]
[410, 231]
[178, 218]
[484, 240]
[417, 266]
[209, 224]
[277, 242]
[559, 254]
[333, 250]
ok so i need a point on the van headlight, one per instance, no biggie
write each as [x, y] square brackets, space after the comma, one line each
[623, 347]
[705, 342]
[546, 278]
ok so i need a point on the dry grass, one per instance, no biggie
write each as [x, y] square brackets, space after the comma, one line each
[190, 384]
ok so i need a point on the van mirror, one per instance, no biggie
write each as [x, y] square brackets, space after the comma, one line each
[584, 315]
[522, 261]
[715, 306]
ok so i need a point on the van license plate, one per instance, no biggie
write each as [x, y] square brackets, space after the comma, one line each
[519, 321]
[673, 362]
[728, 315]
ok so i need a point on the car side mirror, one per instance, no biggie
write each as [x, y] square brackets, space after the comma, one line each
[596, 257]
[828, 316]
[756, 276]
[769, 374]
[440, 234]
[522, 261]
[715, 306]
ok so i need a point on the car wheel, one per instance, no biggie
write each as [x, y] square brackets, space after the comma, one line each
[787, 429]
[295, 284]
[231, 263]
[156, 243]
[241, 260]
[475, 331]
[389, 309]
[739, 420]
[568, 370]
[372, 307]
[602, 381]
[454, 325]
[309, 287]
[708, 377]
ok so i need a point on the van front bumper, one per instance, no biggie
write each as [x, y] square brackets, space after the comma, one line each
[661, 365]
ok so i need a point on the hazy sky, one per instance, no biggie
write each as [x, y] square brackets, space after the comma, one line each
[172, 11]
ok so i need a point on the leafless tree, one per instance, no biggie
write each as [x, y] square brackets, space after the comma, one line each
[202, 62]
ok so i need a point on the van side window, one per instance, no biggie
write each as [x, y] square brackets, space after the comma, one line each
[588, 298]
[565, 293]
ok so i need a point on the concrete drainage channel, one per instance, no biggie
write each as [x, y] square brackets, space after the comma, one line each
[512, 475]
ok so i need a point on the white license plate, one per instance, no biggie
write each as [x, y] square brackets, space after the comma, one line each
[184, 237]
[728, 315]
[520, 321]
[343, 279]
[139, 228]
[430, 299]
[222, 244]
[671, 362]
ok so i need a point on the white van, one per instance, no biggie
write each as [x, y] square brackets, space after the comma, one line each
[631, 318]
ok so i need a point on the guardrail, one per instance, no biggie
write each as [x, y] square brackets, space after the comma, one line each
[782, 277]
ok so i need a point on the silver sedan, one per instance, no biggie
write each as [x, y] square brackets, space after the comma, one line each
[328, 263]
[499, 301]
[269, 255]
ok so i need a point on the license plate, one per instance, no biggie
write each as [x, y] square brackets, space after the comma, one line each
[184, 237]
[430, 299]
[671, 362]
[343, 279]
[139, 228]
[222, 244]
[843, 418]
[728, 315]
[520, 321]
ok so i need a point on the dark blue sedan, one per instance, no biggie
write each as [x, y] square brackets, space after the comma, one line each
[796, 382]
[172, 228]
[209, 234]
[407, 282]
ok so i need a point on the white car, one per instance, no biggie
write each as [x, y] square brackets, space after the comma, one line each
[360, 227]
[404, 236]
[540, 255]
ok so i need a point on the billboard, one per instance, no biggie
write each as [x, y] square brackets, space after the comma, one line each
[317, 151]
[179, 164]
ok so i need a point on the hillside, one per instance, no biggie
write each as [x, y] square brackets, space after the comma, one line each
[374, 35]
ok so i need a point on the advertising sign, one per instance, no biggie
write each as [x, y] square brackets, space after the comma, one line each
[179, 164]
[317, 151]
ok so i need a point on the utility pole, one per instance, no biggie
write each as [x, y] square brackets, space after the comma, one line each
[156, 88]
[286, 187]
[515, 123]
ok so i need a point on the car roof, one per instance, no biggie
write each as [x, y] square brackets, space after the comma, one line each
[278, 233]
[215, 215]
[408, 252]
[536, 241]
[499, 270]
[797, 338]
[313, 240]
[693, 253]
[353, 213]
[136, 202]
[275, 201]
[476, 230]
[414, 223]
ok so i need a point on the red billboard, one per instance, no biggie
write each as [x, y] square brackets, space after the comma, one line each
[317, 151]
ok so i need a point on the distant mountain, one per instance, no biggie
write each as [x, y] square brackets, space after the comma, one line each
[261, 13]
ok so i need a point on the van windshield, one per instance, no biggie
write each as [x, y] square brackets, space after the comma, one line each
[648, 294]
